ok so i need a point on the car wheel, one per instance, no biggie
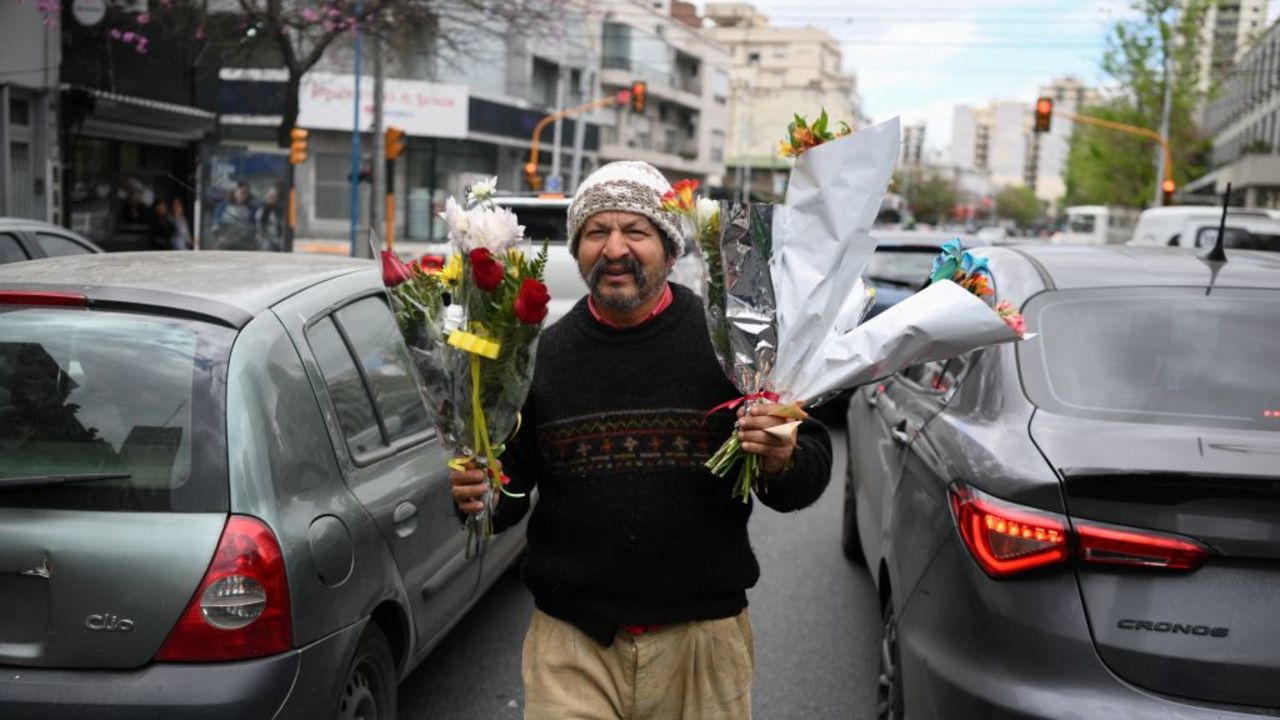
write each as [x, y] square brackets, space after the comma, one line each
[369, 692]
[849, 541]
[889, 694]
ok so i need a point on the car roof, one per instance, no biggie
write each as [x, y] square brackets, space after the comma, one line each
[227, 286]
[1098, 266]
[23, 224]
[516, 201]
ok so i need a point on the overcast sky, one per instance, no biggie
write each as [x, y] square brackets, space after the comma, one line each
[920, 58]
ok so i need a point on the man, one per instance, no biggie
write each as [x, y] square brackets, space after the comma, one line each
[638, 557]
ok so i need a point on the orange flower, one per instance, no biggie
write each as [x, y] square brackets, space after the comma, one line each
[680, 198]
[976, 284]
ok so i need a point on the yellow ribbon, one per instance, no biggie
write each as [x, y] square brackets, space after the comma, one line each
[474, 344]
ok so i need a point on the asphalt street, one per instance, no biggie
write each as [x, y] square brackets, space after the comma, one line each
[815, 617]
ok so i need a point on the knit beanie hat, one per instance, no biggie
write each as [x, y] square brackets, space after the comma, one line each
[630, 186]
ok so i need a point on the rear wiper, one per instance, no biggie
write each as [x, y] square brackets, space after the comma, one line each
[35, 481]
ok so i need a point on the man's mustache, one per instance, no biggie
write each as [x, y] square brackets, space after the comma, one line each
[626, 264]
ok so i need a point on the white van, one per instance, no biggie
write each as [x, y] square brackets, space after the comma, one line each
[1096, 225]
[1163, 225]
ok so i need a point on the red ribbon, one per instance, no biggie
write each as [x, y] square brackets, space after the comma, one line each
[731, 404]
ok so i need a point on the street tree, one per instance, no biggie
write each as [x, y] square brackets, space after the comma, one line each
[1019, 204]
[930, 194]
[1108, 167]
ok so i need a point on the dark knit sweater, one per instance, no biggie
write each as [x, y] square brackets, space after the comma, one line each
[629, 526]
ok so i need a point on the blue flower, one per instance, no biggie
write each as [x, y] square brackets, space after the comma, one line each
[971, 264]
[948, 261]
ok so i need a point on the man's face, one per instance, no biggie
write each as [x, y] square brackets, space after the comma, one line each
[622, 259]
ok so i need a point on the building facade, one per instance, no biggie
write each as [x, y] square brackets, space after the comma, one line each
[1230, 29]
[682, 129]
[992, 139]
[30, 55]
[912, 145]
[1245, 125]
[777, 72]
[468, 113]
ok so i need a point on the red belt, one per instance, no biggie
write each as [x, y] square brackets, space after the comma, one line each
[640, 629]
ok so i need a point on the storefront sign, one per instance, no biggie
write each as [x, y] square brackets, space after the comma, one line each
[422, 109]
[89, 12]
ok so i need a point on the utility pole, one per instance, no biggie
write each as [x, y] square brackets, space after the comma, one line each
[1164, 111]
[379, 164]
[586, 89]
[355, 142]
[557, 131]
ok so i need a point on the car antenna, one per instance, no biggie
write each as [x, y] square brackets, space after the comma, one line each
[1216, 254]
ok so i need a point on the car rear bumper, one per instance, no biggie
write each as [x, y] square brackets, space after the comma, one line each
[302, 683]
[972, 647]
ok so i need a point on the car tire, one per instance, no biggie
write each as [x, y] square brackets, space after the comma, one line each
[889, 695]
[849, 540]
[369, 689]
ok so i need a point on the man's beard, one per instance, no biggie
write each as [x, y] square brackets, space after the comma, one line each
[646, 287]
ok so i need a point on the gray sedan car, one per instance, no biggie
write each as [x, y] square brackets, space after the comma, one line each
[221, 495]
[1086, 524]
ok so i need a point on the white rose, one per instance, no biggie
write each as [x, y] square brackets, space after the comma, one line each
[494, 228]
[482, 191]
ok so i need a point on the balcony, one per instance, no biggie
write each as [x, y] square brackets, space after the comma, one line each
[663, 78]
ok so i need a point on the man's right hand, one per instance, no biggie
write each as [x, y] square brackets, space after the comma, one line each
[469, 487]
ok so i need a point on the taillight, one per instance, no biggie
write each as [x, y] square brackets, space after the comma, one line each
[241, 608]
[1125, 546]
[1006, 538]
[42, 297]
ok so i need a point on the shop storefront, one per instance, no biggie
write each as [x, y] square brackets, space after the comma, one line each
[131, 171]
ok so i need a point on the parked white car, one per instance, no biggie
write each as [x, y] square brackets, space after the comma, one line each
[1245, 233]
[1163, 225]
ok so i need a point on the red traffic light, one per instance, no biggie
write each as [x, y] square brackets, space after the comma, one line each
[1044, 114]
[639, 94]
[1168, 185]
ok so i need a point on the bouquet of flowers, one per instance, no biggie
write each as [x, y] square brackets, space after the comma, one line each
[472, 327]
[784, 297]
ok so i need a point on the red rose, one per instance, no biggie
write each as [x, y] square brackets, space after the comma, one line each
[487, 271]
[394, 272]
[531, 303]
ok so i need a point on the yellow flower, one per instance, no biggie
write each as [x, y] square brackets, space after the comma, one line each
[452, 272]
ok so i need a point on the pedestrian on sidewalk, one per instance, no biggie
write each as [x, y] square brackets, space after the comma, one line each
[638, 557]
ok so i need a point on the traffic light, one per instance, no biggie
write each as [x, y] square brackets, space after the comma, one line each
[1167, 187]
[298, 146]
[639, 92]
[531, 175]
[1044, 114]
[395, 142]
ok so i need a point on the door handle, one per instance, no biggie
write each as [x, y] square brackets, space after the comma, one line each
[405, 518]
[873, 398]
[900, 434]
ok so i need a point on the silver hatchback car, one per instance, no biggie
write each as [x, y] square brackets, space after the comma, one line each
[221, 494]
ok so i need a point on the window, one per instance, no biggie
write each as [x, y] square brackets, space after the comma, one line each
[373, 334]
[395, 411]
[11, 250]
[717, 146]
[19, 111]
[346, 389]
[57, 245]
[753, 58]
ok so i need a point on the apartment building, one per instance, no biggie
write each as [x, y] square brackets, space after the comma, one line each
[681, 129]
[1245, 125]
[30, 53]
[993, 139]
[776, 73]
[1230, 28]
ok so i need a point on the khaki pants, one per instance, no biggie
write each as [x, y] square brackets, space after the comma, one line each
[691, 671]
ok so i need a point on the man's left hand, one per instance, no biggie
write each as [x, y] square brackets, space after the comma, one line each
[775, 452]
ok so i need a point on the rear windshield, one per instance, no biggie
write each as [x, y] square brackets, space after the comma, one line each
[543, 222]
[101, 393]
[1172, 356]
